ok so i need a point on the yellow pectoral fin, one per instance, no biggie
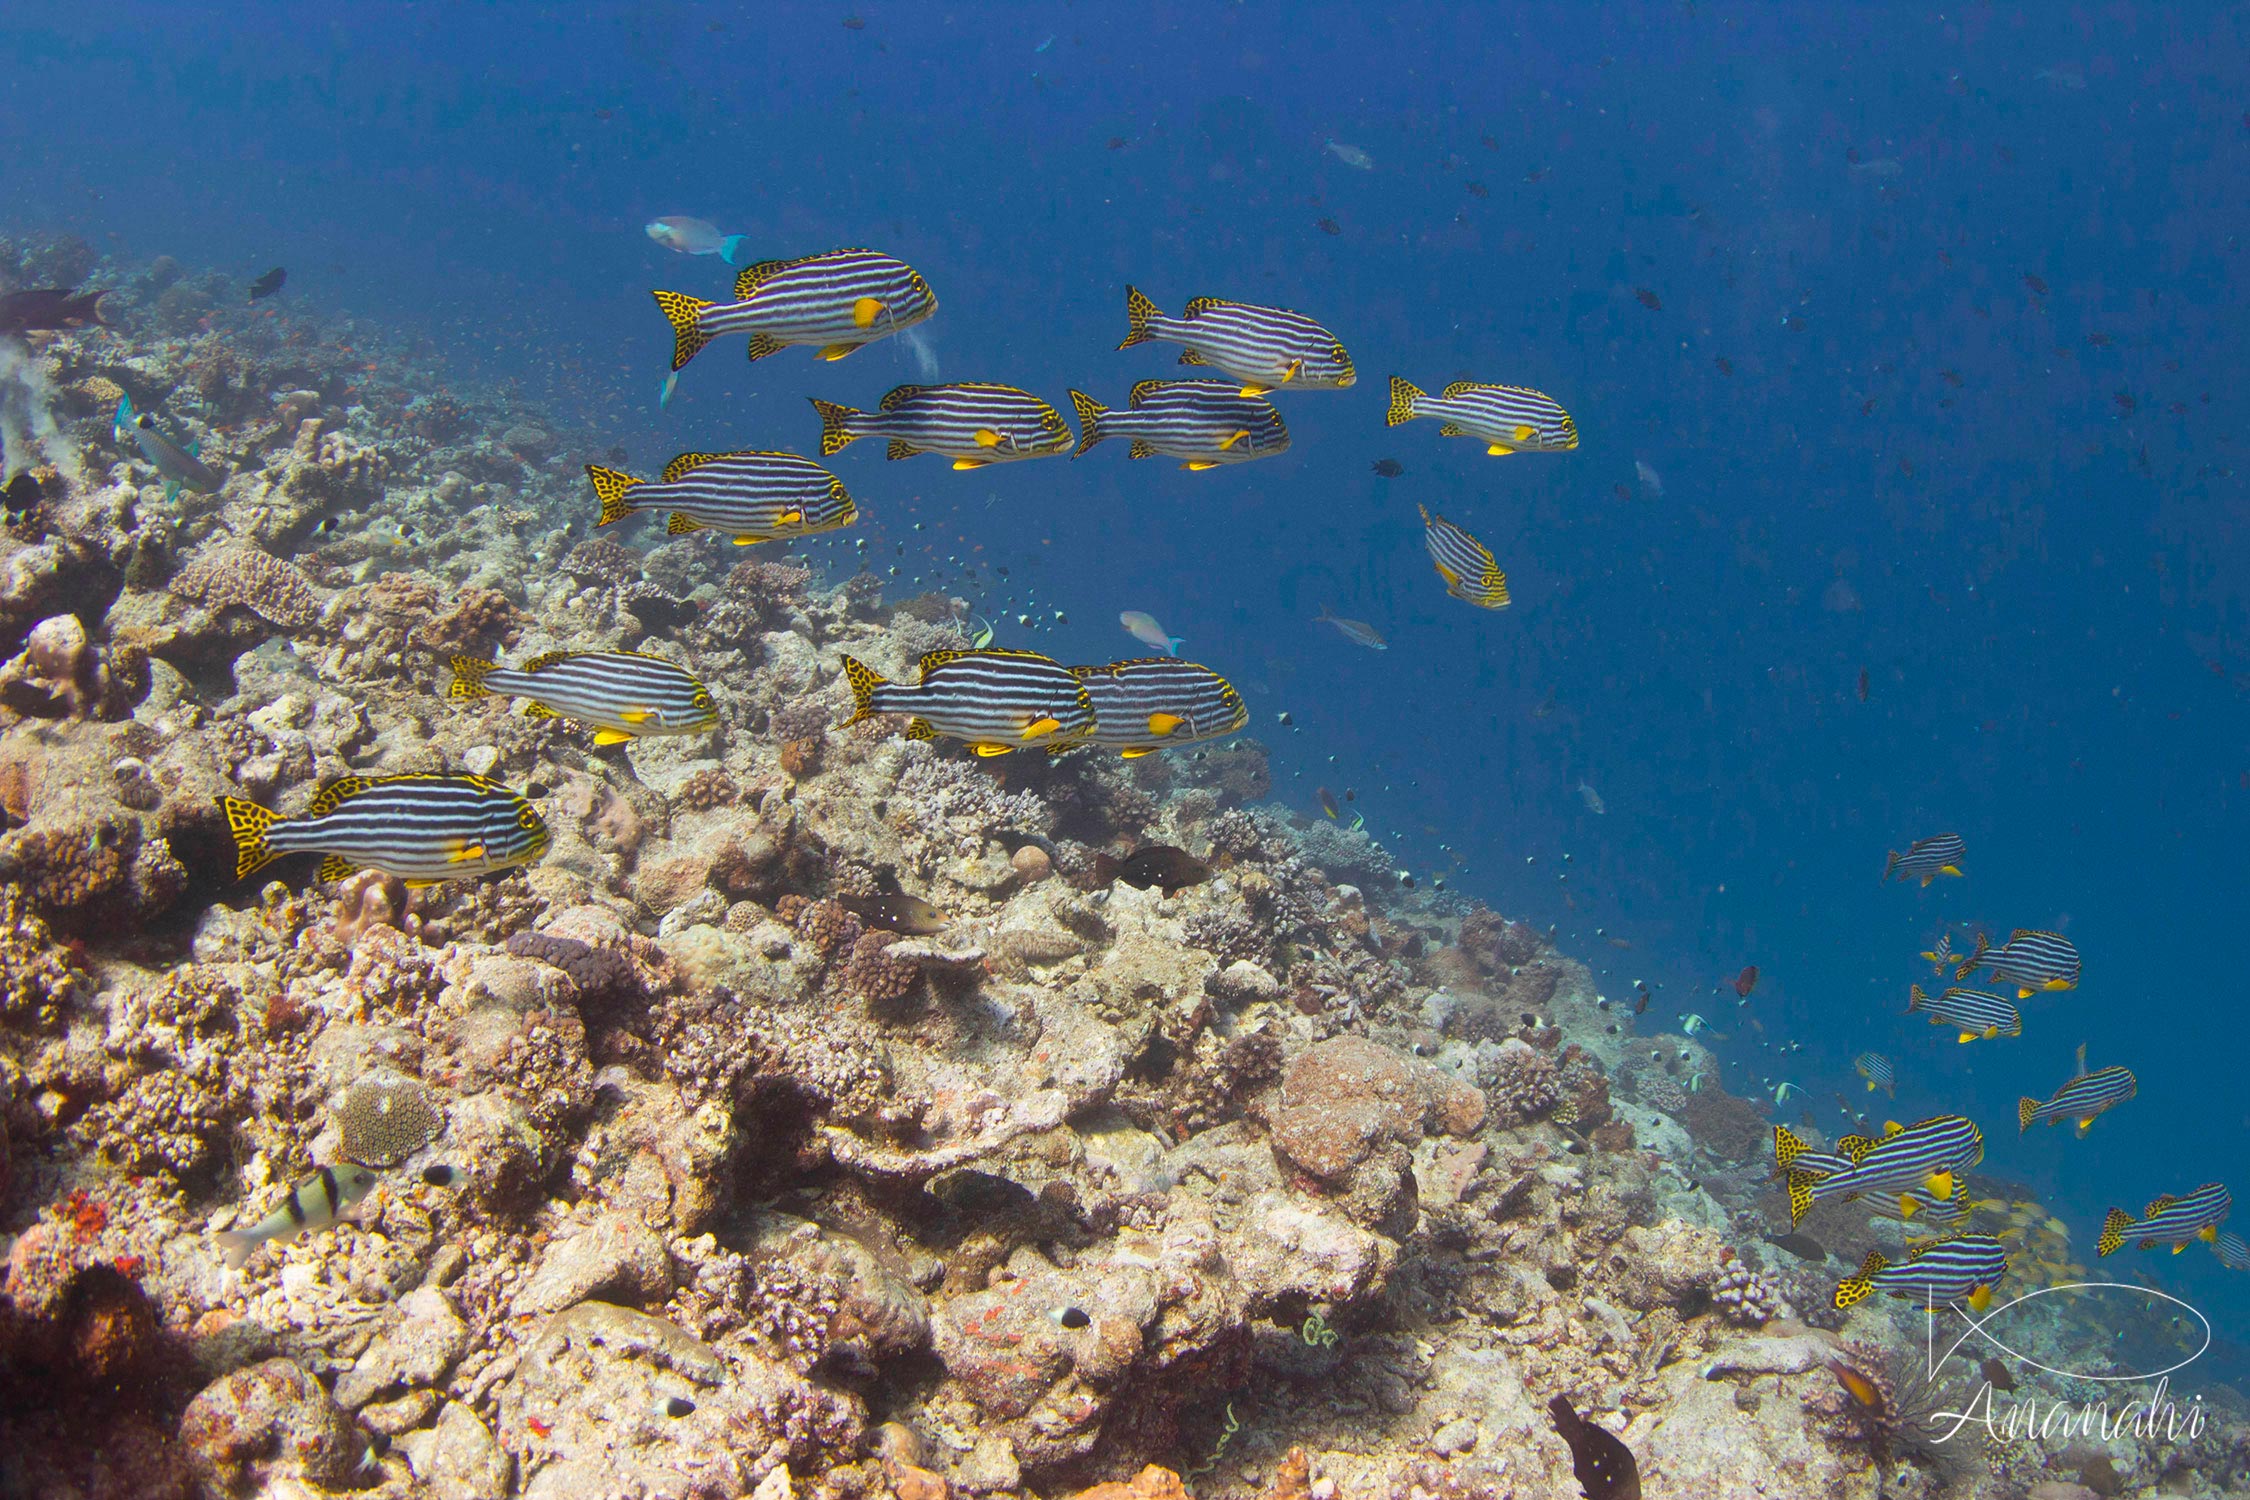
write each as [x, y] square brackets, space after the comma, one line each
[1941, 1183]
[636, 715]
[610, 736]
[1256, 390]
[968, 463]
[1198, 465]
[1907, 1207]
[987, 438]
[2208, 1232]
[2176, 1249]
[1499, 450]
[865, 311]
[790, 518]
[1164, 723]
[1040, 728]
[1452, 579]
[1294, 370]
[1980, 1297]
[1226, 444]
[464, 854]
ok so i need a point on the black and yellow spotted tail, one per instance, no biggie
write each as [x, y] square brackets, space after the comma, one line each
[1853, 1290]
[1403, 397]
[248, 822]
[864, 683]
[835, 426]
[2027, 1110]
[468, 677]
[612, 487]
[685, 314]
[1138, 311]
[2113, 1230]
[1090, 413]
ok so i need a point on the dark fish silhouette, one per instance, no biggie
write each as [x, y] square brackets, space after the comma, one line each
[1746, 981]
[895, 912]
[1159, 865]
[1997, 1372]
[21, 496]
[1649, 299]
[50, 309]
[1389, 468]
[1605, 1467]
[1803, 1246]
[266, 285]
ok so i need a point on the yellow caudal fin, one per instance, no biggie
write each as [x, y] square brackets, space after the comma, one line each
[1138, 311]
[835, 425]
[1403, 397]
[2026, 1110]
[1855, 1289]
[468, 677]
[1916, 998]
[685, 314]
[1800, 1198]
[2113, 1230]
[249, 822]
[611, 486]
[1786, 1147]
[1090, 413]
[864, 683]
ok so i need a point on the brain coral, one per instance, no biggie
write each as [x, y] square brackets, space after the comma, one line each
[242, 575]
[385, 1118]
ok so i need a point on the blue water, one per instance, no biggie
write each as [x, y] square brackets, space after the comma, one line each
[2046, 590]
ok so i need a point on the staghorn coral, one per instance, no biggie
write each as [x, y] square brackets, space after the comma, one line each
[239, 576]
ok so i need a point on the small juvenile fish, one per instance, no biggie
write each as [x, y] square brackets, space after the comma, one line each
[895, 911]
[50, 309]
[1604, 1466]
[973, 424]
[752, 496]
[1142, 627]
[993, 701]
[2232, 1252]
[1941, 956]
[317, 1201]
[1388, 468]
[1159, 702]
[690, 236]
[1651, 481]
[2083, 1099]
[1470, 571]
[1973, 1013]
[1927, 859]
[2030, 960]
[423, 829]
[1956, 1270]
[1350, 156]
[838, 301]
[2169, 1220]
[266, 285]
[1505, 418]
[1746, 981]
[1205, 422]
[622, 694]
[1592, 799]
[1877, 1070]
[179, 466]
[1265, 348]
[1160, 865]
[1358, 632]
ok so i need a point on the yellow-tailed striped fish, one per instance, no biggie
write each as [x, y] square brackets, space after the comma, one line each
[1971, 1012]
[1877, 1070]
[993, 701]
[1957, 1270]
[1264, 348]
[2232, 1252]
[1929, 1153]
[2083, 1099]
[839, 300]
[1205, 422]
[319, 1200]
[1470, 572]
[2030, 960]
[2169, 1220]
[1941, 957]
[622, 694]
[752, 497]
[971, 423]
[1505, 418]
[1158, 702]
[423, 829]
[1920, 1208]
[1926, 859]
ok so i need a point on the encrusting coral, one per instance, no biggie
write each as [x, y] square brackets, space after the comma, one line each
[816, 1117]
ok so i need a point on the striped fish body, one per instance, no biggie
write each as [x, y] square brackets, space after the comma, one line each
[1205, 422]
[1972, 1012]
[752, 497]
[320, 1199]
[1956, 1270]
[1791, 1155]
[1942, 957]
[2082, 1099]
[622, 694]
[1157, 702]
[423, 829]
[2030, 960]
[2169, 1220]
[1505, 418]
[1926, 859]
[839, 301]
[1469, 569]
[1263, 348]
[971, 423]
[993, 701]
[1929, 1154]
[2233, 1253]
[1939, 1215]
[1877, 1070]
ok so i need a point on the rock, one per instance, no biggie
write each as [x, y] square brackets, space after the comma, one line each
[1152, 1483]
[480, 760]
[617, 1256]
[1456, 1436]
[1242, 981]
[457, 1457]
[266, 1425]
[417, 1351]
[1346, 1098]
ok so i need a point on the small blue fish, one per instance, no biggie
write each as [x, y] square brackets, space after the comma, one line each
[671, 384]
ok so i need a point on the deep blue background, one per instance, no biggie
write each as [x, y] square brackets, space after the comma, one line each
[2050, 587]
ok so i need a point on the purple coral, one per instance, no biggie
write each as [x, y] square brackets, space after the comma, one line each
[1745, 1297]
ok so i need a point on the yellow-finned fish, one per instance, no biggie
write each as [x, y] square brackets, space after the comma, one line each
[1505, 418]
[1973, 1013]
[2030, 960]
[1205, 422]
[993, 701]
[2169, 1220]
[752, 497]
[624, 695]
[1926, 859]
[1470, 571]
[423, 829]
[1263, 348]
[839, 300]
[1159, 702]
[2084, 1099]
[971, 423]
[1963, 1269]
